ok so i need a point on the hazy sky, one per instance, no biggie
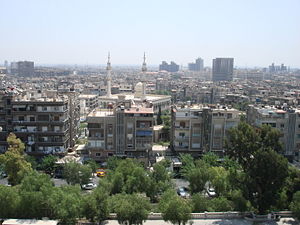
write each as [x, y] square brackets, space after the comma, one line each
[254, 32]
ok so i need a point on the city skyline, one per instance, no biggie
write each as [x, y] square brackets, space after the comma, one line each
[254, 33]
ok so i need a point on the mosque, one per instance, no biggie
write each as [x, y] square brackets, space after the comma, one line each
[138, 97]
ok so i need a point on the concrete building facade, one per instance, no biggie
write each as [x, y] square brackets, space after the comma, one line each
[47, 125]
[222, 69]
[285, 119]
[198, 129]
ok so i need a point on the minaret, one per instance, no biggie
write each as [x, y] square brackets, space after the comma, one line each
[144, 70]
[108, 70]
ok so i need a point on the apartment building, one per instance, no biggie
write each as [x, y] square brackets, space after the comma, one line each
[45, 124]
[197, 129]
[283, 118]
[125, 130]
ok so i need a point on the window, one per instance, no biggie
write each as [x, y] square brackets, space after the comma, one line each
[56, 118]
[44, 108]
[98, 154]
[229, 115]
[181, 134]
[282, 125]
[21, 118]
[32, 118]
[8, 101]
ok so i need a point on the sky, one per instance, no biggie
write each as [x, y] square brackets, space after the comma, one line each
[254, 32]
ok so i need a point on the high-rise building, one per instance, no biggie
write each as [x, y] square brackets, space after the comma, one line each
[172, 67]
[47, 124]
[124, 130]
[197, 66]
[282, 118]
[222, 69]
[22, 68]
[198, 129]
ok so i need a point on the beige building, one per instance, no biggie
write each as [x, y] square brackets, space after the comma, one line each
[197, 129]
[46, 123]
[126, 130]
[283, 118]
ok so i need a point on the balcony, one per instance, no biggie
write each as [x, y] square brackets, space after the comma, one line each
[183, 128]
[182, 137]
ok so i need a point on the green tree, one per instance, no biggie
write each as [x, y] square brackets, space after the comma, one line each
[220, 204]
[270, 138]
[242, 143]
[159, 119]
[117, 182]
[68, 204]
[9, 202]
[160, 174]
[75, 173]
[239, 202]
[266, 176]
[219, 180]
[211, 159]
[175, 209]
[200, 203]
[95, 205]
[295, 205]
[113, 162]
[130, 208]
[48, 164]
[198, 176]
[137, 181]
[32, 160]
[14, 160]
[187, 164]
[92, 164]
[35, 190]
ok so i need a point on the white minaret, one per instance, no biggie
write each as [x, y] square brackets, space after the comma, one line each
[144, 70]
[108, 70]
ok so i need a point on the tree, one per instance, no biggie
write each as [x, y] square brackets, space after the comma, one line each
[137, 181]
[48, 164]
[242, 143]
[159, 119]
[117, 181]
[160, 173]
[9, 202]
[75, 173]
[175, 209]
[67, 201]
[95, 205]
[266, 176]
[35, 190]
[220, 204]
[211, 159]
[130, 208]
[92, 164]
[239, 202]
[198, 176]
[14, 160]
[219, 180]
[200, 203]
[295, 205]
[270, 138]
[113, 162]
[187, 164]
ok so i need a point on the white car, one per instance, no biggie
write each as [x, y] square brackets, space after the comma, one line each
[89, 186]
[211, 192]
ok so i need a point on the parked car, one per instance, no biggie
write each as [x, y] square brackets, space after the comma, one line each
[182, 192]
[89, 186]
[211, 192]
